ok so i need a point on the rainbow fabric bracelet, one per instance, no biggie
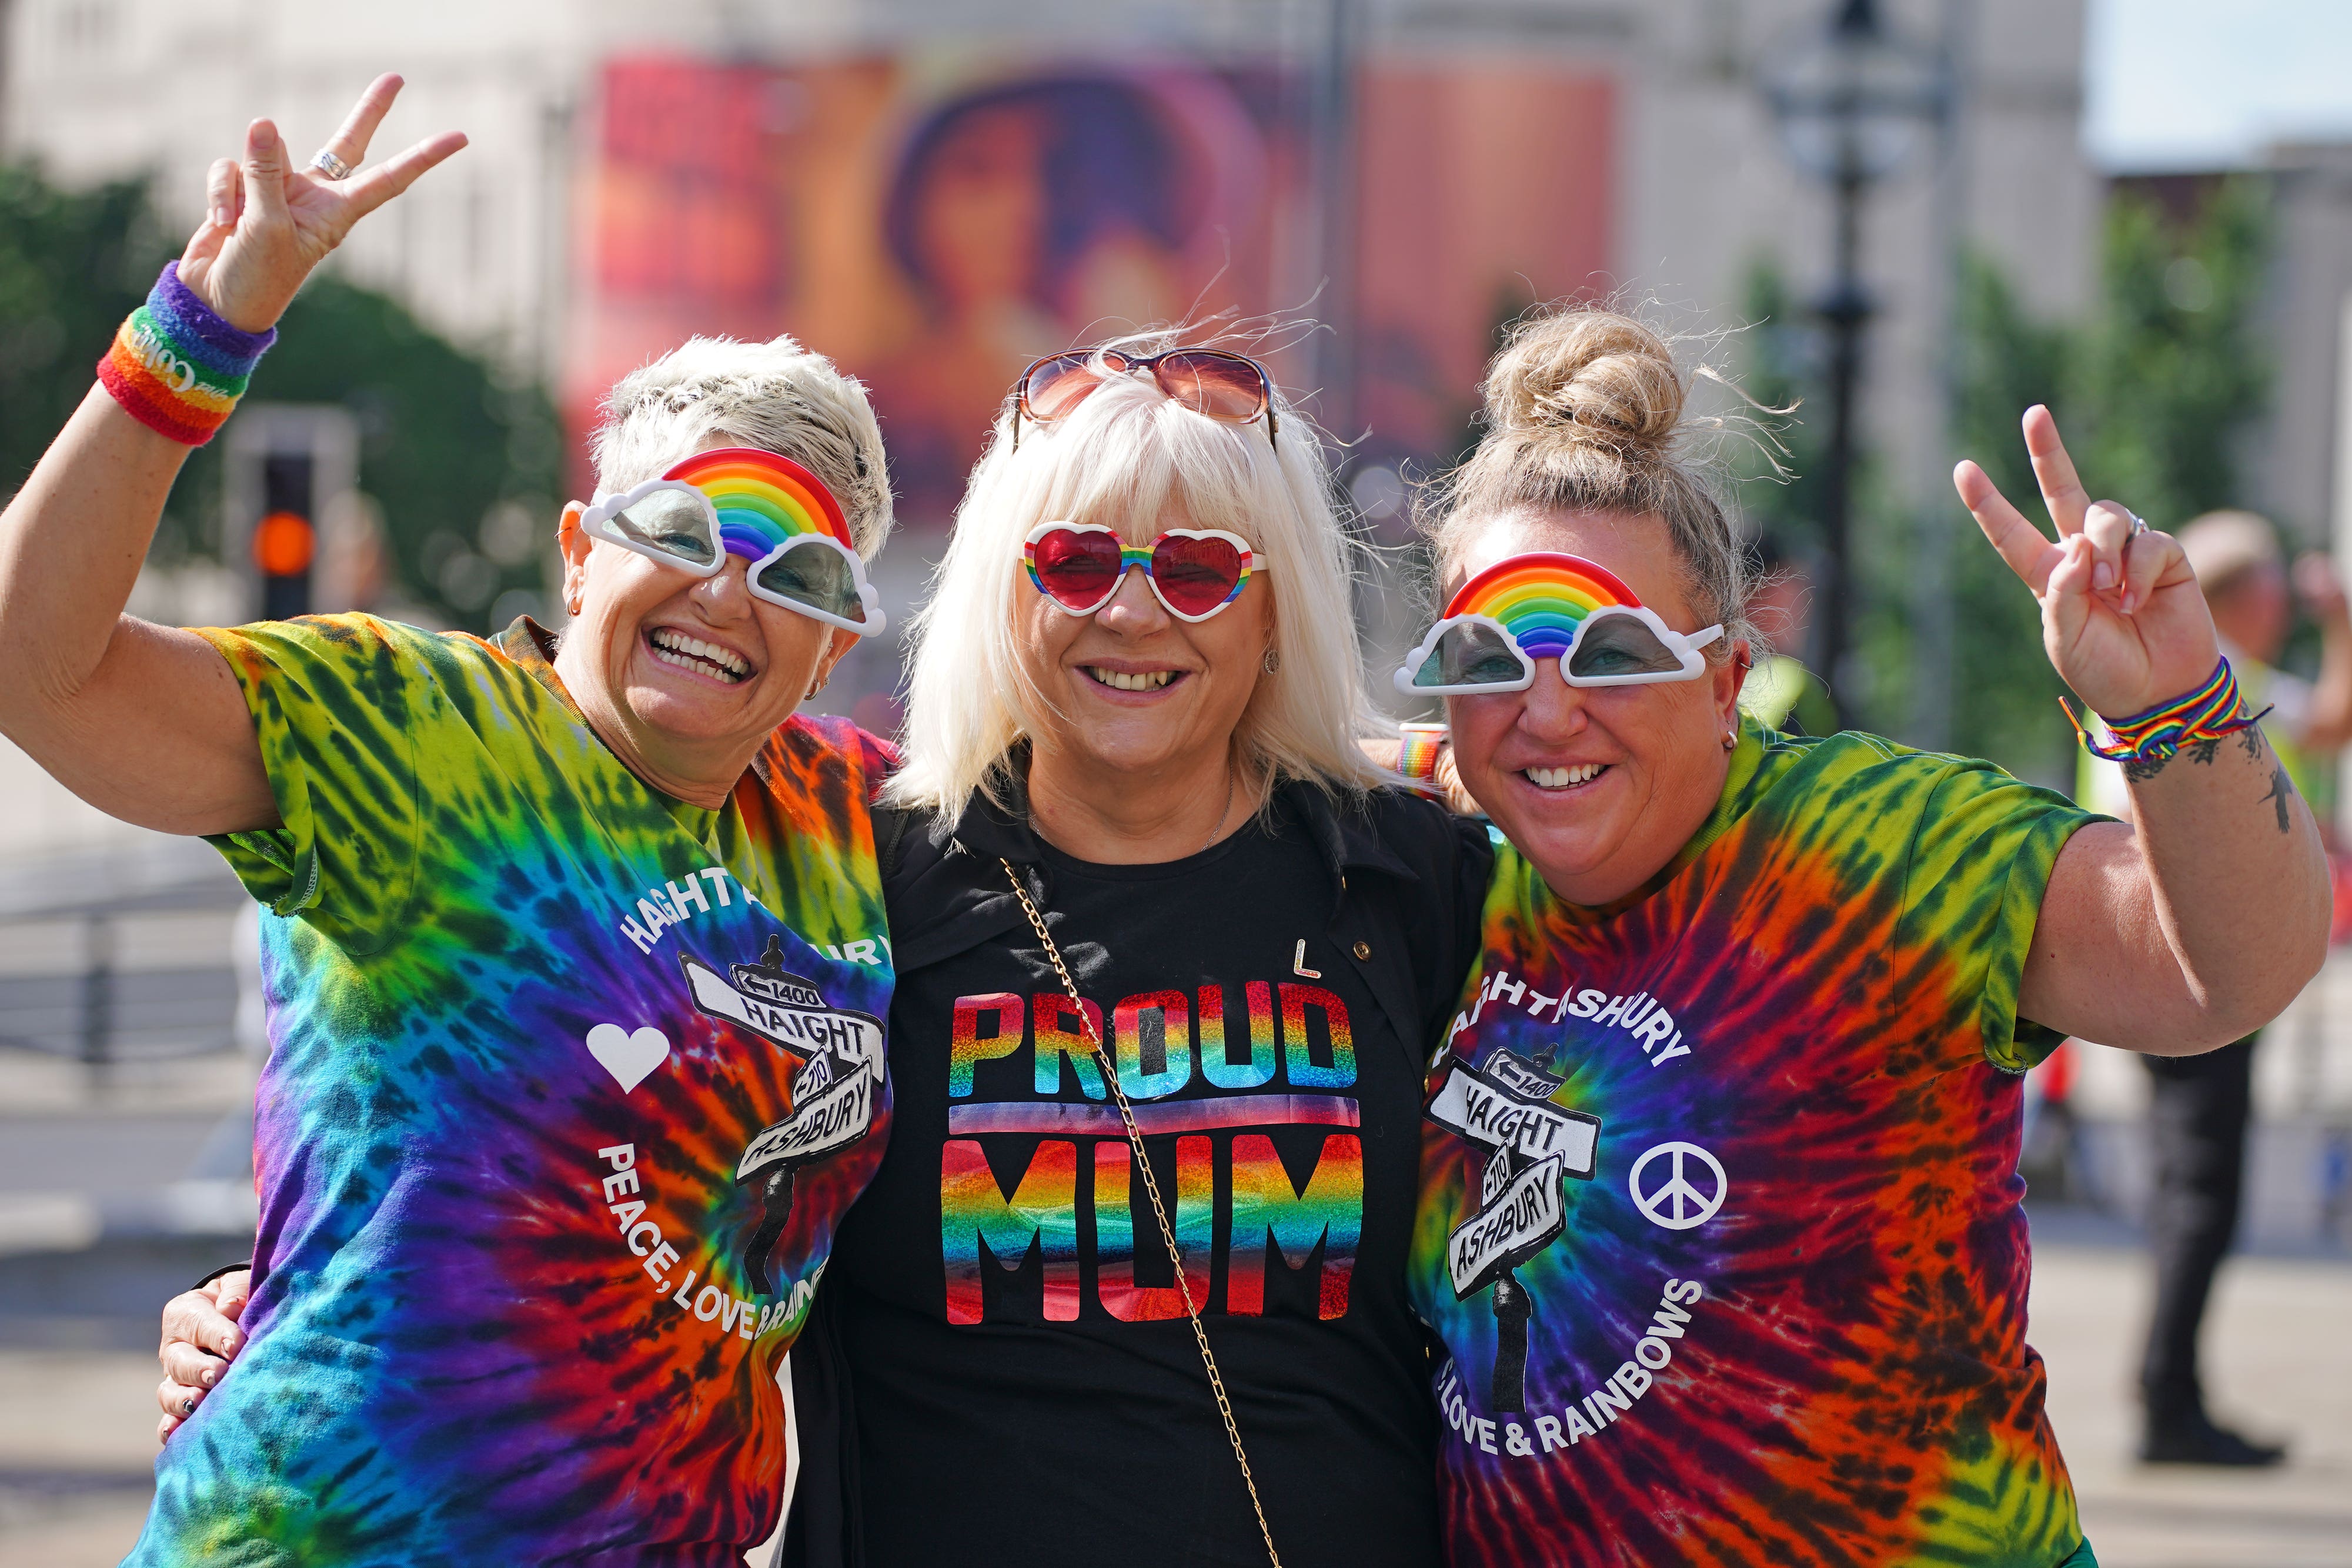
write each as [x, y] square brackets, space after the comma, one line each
[176, 366]
[2213, 710]
[1417, 754]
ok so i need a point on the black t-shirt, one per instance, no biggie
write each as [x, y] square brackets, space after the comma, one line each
[1025, 1386]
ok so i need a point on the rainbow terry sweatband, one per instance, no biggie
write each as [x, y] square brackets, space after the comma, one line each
[177, 368]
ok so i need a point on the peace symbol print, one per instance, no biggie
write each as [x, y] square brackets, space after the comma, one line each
[1674, 1203]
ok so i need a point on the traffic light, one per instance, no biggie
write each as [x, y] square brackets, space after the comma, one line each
[286, 539]
[290, 478]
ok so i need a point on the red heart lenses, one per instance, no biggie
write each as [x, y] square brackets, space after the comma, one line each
[1077, 569]
[1195, 576]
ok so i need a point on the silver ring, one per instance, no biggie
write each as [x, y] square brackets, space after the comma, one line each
[333, 167]
[2139, 524]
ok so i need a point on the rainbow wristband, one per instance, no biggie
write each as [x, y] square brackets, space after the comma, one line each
[176, 366]
[1417, 755]
[2213, 710]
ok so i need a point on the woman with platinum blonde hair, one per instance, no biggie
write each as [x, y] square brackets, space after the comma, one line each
[1168, 959]
[972, 695]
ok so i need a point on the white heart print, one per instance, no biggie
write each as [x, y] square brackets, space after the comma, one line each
[628, 1057]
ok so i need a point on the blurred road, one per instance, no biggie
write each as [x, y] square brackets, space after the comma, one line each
[77, 1426]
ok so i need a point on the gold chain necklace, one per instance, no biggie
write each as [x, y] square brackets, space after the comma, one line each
[1151, 1189]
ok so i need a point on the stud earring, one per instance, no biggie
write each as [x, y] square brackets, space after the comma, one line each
[1271, 663]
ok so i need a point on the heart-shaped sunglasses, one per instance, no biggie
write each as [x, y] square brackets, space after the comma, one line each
[741, 500]
[1544, 605]
[1193, 572]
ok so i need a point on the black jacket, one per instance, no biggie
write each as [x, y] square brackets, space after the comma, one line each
[1408, 882]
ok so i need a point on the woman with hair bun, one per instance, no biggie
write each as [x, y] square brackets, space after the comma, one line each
[1720, 1217]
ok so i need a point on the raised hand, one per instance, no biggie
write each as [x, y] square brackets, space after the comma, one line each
[267, 223]
[2122, 618]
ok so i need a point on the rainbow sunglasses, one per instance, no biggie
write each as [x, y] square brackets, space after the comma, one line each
[1547, 606]
[740, 500]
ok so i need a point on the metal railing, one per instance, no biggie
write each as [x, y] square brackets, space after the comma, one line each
[80, 999]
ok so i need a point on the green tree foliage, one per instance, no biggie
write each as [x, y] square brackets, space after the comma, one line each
[1781, 486]
[2174, 366]
[2154, 391]
[457, 457]
[72, 265]
[443, 442]
[2004, 693]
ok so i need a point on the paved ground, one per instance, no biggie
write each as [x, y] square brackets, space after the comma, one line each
[76, 1426]
[2279, 1360]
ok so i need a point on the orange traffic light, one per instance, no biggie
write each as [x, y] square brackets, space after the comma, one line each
[283, 544]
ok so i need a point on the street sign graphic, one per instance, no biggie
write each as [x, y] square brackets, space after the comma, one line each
[1518, 1223]
[1478, 1108]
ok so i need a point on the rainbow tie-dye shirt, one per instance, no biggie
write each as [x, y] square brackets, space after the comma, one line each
[1720, 1218]
[570, 1084]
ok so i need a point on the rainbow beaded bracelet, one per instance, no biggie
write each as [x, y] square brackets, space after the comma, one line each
[176, 366]
[2213, 710]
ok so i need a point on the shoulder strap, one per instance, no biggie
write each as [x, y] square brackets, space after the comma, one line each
[890, 824]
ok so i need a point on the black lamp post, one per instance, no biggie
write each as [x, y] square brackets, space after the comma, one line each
[1849, 99]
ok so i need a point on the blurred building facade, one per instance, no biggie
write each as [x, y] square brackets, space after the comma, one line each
[1487, 151]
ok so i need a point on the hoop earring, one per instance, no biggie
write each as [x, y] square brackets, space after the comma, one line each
[1730, 740]
[1271, 663]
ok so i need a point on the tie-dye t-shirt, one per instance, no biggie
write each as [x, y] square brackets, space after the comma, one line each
[569, 1085]
[1721, 1216]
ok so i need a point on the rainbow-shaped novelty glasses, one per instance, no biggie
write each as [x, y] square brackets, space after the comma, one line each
[1544, 605]
[741, 500]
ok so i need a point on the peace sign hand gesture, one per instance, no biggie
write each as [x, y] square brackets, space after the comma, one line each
[268, 224]
[2122, 617]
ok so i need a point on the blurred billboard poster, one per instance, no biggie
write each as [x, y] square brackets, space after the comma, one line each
[934, 221]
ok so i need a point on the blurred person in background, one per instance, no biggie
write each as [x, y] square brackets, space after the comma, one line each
[2199, 1106]
[1781, 690]
[574, 959]
[1720, 1225]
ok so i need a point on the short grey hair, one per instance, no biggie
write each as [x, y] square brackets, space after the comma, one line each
[776, 396]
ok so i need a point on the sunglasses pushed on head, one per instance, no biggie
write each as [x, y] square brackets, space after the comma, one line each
[1232, 389]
